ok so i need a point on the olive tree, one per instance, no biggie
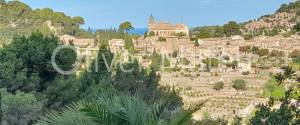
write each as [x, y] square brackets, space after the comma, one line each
[239, 84]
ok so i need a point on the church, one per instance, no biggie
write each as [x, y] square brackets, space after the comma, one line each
[164, 29]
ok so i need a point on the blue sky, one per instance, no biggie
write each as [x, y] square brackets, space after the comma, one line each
[110, 13]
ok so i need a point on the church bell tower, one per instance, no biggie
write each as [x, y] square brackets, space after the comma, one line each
[151, 19]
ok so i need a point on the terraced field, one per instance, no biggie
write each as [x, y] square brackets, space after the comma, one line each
[196, 87]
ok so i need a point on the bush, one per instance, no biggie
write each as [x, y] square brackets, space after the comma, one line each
[246, 73]
[296, 60]
[184, 61]
[20, 108]
[254, 49]
[263, 52]
[276, 53]
[151, 34]
[288, 34]
[294, 54]
[211, 62]
[271, 89]
[239, 84]
[162, 39]
[248, 37]
[245, 49]
[218, 86]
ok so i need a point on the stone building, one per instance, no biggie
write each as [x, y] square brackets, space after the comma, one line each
[116, 45]
[78, 42]
[164, 29]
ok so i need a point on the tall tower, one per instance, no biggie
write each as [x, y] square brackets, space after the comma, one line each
[151, 19]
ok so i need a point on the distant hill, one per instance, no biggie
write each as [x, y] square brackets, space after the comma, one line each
[280, 22]
[18, 18]
[283, 21]
[287, 16]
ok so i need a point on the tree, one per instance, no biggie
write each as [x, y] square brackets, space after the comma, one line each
[218, 86]
[129, 44]
[254, 49]
[151, 34]
[125, 26]
[158, 61]
[132, 82]
[263, 52]
[180, 35]
[294, 54]
[99, 74]
[239, 84]
[283, 8]
[78, 20]
[196, 44]
[208, 32]
[184, 61]
[248, 36]
[145, 35]
[276, 53]
[234, 64]
[101, 68]
[297, 27]
[162, 39]
[62, 91]
[232, 28]
[211, 62]
[19, 108]
[26, 62]
[175, 54]
[245, 49]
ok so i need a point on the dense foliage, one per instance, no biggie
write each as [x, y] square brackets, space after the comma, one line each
[293, 6]
[229, 29]
[26, 63]
[20, 108]
[26, 70]
[18, 18]
[286, 112]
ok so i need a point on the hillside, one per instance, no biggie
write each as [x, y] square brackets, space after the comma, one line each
[284, 18]
[18, 18]
[282, 21]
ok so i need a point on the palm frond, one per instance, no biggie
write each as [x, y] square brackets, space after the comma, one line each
[70, 115]
[183, 117]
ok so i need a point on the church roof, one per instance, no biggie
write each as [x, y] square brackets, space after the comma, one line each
[166, 26]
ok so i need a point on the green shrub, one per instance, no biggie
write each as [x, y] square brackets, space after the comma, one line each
[248, 37]
[218, 86]
[246, 73]
[239, 84]
[162, 39]
[271, 89]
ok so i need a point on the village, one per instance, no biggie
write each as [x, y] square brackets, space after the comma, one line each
[196, 62]
[194, 77]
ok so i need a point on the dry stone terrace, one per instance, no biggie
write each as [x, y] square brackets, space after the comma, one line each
[274, 42]
[198, 86]
[282, 19]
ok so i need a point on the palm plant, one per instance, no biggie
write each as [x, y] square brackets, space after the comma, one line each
[118, 109]
[288, 73]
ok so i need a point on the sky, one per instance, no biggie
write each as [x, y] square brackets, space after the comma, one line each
[110, 13]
